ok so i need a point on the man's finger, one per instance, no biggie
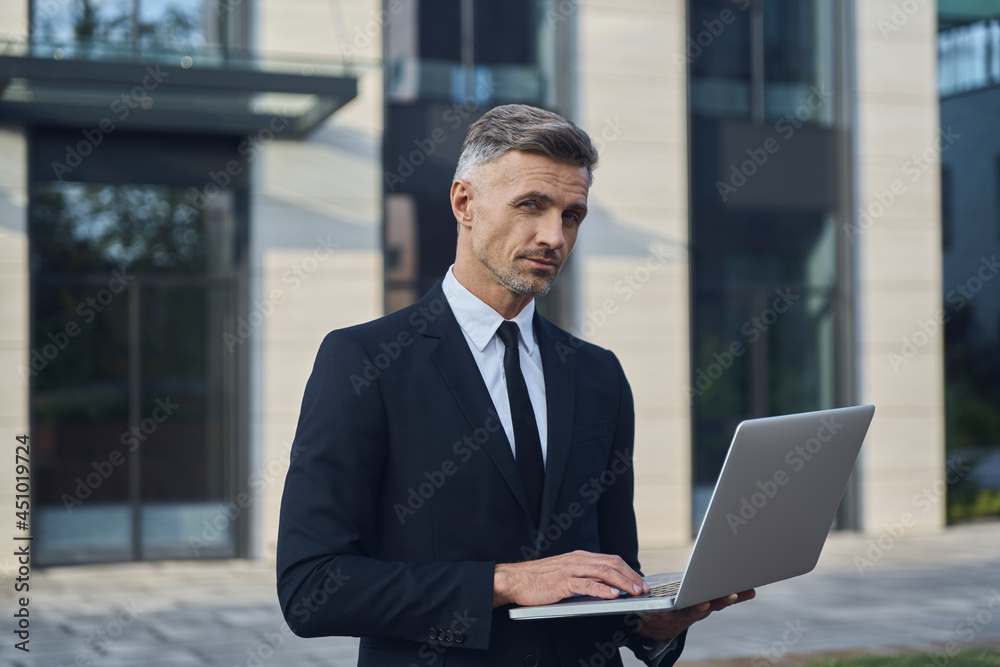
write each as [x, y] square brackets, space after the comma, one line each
[610, 570]
[585, 586]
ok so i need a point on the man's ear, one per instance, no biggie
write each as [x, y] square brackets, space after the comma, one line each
[461, 201]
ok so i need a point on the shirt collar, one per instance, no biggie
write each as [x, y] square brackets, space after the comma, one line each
[478, 320]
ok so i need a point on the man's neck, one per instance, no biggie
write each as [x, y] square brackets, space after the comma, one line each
[508, 304]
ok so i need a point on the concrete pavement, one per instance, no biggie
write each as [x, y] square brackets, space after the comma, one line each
[876, 593]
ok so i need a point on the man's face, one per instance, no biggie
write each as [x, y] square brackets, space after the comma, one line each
[526, 211]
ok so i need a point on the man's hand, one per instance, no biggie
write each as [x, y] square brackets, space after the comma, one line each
[665, 625]
[549, 580]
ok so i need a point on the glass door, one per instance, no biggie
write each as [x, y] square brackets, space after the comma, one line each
[133, 388]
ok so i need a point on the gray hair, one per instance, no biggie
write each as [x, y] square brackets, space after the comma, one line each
[519, 127]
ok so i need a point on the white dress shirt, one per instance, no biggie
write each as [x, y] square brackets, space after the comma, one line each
[479, 323]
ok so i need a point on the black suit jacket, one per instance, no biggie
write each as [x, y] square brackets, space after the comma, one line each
[403, 493]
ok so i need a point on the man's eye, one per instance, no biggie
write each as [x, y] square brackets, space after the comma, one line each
[529, 204]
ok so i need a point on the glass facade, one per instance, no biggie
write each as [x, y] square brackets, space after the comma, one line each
[135, 281]
[765, 175]
[969, 86]
[446, 64]
[146, 25]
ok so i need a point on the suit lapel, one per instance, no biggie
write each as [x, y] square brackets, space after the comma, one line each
[454, 360]
[559, 369]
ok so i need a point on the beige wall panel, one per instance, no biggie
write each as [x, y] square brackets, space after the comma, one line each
[323, 180]
[637, 172]
[904, 67]
[271, 472]
[325, 188]
[633, 100]
[900, 266]
[905, 255]
[915, 384]
[908, 189]
[886, 21]
[14, 273]
[14, 19]
[901, 130]
[663, 514]
[14, 289]
[657, 115]
[627, 40]
[902, 314]
[320, 28]
[293, 335]
[888, 501]
[897, 453]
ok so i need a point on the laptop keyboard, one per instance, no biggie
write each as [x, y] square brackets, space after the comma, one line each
[664, 590]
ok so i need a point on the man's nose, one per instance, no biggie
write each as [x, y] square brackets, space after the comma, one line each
[550, 232]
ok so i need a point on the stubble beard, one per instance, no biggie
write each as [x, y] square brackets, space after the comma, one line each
[533, 282]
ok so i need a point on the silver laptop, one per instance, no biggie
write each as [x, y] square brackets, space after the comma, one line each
[772, 508]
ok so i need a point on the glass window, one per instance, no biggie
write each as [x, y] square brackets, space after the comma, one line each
[763, 326]
[434, 91]
[132, 390]
[760, 58]
[171, 25]
[969, 86]
[719, 50]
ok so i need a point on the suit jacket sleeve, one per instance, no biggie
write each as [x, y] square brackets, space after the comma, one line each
[328, 582]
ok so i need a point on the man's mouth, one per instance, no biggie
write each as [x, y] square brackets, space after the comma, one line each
[542, 263]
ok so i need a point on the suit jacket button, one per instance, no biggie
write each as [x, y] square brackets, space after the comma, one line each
[449, 636]
[459, 636]
[434, 634]
[530, 661]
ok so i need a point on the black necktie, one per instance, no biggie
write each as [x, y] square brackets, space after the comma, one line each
[527, 445]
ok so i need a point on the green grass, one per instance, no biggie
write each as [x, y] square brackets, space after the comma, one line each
[967, 658]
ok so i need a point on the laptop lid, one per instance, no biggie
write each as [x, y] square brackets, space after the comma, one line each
[775, 501]
[770, 513]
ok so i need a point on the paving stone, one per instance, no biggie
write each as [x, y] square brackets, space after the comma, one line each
[218, 613]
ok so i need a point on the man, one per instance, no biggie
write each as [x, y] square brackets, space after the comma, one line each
[450, 452]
